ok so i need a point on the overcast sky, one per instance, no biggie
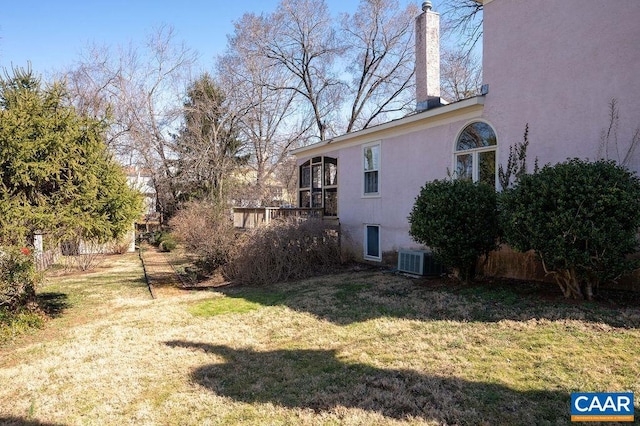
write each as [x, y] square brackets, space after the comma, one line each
[52, 33]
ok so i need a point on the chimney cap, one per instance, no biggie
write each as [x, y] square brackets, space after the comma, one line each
[426, 5]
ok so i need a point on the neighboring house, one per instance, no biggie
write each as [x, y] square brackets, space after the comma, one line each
[272, 193]
[554, 65]
[137, 178]
[142, 179]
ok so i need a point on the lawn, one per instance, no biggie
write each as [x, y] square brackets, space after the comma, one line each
[360, 347]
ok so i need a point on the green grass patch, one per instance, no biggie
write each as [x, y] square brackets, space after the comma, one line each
[14, 324]
[222, 306]
[241, 302]
[347, 292]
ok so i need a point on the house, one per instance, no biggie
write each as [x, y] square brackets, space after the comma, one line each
[270, 192]
[554, 66]
[142, 179]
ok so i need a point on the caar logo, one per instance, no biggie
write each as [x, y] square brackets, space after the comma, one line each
[602, 407]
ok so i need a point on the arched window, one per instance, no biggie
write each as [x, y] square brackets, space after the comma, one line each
[475, 154]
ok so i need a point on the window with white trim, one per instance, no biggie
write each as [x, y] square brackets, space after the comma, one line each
[372, 242]
[371, 162]
[475, 154]
[318, 184]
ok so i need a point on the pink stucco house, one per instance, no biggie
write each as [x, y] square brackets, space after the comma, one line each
[554, 65]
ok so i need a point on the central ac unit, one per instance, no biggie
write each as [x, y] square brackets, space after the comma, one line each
[418, 262]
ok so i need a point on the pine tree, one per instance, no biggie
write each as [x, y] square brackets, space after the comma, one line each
[56, 174]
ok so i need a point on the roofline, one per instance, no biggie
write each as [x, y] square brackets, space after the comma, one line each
[453, 108]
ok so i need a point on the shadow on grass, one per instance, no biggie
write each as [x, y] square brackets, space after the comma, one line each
[355, 297]
[21, 421]
[318, 380]
[53, 304]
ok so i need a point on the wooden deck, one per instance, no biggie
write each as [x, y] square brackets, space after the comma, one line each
[250, 217]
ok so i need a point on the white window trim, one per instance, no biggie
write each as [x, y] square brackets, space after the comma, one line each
[475, 154]
[366, 240]
[369, 145]
[475, 151]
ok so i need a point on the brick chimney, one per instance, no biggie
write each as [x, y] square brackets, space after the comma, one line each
[427, 58]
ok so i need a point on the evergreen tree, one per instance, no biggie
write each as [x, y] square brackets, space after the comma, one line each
[56, 174]
[208, 147]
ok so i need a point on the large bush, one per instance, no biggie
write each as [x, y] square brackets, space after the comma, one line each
[18, 278]
[206, 230]
[458, 220]
[581, 219]
[284, 250]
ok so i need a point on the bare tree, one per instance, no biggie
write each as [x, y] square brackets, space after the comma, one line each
[380, 56]
[299, 39]
[305, 43]
[144, 88]
[269, 117]
[295, 74]
[461, 75]
[286, 174]
[92, 84]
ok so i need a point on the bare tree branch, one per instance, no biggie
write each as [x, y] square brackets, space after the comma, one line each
[464, 19]
[461, 75]
[380, 57]
[142, 88]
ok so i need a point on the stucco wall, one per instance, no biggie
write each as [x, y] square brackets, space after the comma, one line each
[407, 162]
[556, 65]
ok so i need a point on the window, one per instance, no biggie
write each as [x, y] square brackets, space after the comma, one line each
[371, 169]
[318, 186]
[475, 156]
[331, 202]
[372, 242]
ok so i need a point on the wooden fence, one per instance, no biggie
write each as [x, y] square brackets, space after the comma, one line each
[47, 258]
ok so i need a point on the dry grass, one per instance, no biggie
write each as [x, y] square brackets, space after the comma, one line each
[356, 348]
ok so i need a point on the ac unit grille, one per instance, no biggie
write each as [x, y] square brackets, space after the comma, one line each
[411, 261]
[418, 262]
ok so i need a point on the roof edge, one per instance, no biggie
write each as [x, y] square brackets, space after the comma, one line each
[430, 113]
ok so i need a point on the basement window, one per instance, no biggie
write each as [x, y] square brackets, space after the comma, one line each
[372, 243]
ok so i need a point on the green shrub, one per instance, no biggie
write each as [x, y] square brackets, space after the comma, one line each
[581, 219]
[21, 321]
[18, 278]
[161, 239]
[168, 243]
[158, 237]
[458, 220]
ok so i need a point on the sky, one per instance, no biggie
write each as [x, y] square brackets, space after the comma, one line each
[51, 34]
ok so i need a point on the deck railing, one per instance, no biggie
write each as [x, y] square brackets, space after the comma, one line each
[250, 217]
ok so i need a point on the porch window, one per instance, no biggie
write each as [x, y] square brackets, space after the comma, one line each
[475, 154]
[372, 242]
[319, 184]
[371, 169]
